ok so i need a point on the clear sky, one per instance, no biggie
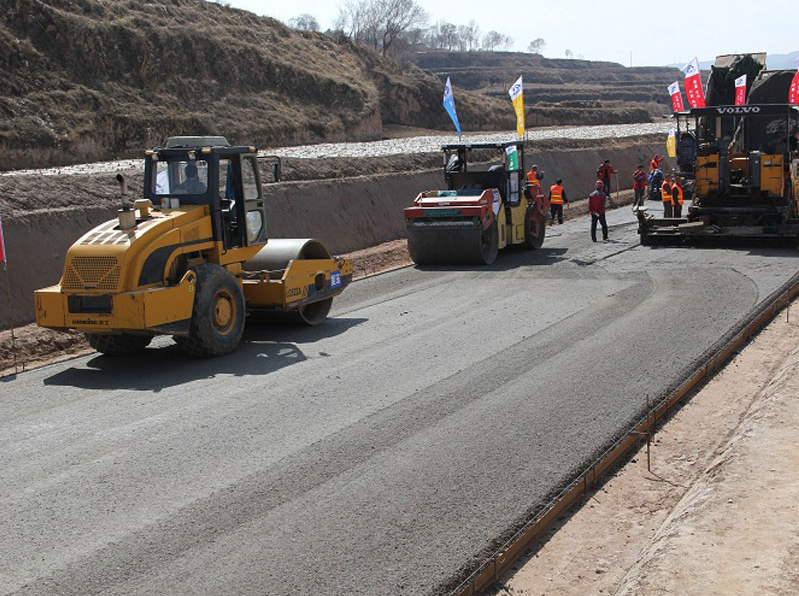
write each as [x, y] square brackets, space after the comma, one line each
[608, 30]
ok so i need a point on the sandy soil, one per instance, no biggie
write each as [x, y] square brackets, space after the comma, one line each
[717, 511]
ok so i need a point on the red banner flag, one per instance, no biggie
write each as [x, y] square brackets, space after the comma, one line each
[2, 244]
[676, 97]
[793, 95]
[740, 90]
[693, 84]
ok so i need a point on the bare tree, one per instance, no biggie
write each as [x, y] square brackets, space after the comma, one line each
[469, 37]
[569, 54]
[494, 40]
[378, 23]
[491, 40]
[448, 34]
[306, 22]
[536, 46]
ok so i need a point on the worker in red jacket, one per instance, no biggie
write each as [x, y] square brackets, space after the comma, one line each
[596, 207]
[639, 186]
[603, 173]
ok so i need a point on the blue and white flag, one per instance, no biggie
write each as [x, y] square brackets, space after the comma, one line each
[449, 105]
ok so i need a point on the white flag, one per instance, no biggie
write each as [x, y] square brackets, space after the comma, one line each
[516, 90]
[691, 69]
[674, 88]
[740, 81]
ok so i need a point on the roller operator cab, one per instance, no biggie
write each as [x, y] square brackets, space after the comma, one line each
[482, 210]
[740, 166]
[190, 258]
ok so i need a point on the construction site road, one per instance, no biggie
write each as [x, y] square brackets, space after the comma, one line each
[385, 452]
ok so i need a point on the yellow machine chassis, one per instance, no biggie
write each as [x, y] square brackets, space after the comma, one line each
[161, 310]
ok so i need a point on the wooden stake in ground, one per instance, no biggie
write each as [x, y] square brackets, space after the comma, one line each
[8, 295]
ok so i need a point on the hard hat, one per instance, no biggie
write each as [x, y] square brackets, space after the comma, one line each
[535, 167]
[600, 184]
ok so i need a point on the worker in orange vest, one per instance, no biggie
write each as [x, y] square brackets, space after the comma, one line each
[557, 196]
[665, 193]
[534, 178]
[677, 196]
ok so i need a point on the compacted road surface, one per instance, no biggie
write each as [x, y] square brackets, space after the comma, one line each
[381, 453]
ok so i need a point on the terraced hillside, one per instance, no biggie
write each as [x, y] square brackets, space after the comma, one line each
[560, 91]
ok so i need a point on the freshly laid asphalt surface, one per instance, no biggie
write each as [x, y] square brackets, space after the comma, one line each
[380, 453]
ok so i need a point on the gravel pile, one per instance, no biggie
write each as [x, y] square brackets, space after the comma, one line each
[408, 145]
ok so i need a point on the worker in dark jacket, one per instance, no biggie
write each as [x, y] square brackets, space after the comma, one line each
[655, 184]
[604, 172]
[639, 186]
[596, 207]
[557, 196]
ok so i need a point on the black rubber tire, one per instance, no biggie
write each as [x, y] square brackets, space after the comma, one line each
[217, 321]
[124, 344]
[489, 244]
[533, 242]
[315, 313]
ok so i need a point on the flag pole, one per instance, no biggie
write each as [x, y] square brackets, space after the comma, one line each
[13, 337]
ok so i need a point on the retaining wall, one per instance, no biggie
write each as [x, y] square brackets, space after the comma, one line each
[345, 214]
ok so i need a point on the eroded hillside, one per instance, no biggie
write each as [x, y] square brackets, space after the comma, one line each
[96, 79]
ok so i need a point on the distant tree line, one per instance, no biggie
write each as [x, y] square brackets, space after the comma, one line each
[393, 27]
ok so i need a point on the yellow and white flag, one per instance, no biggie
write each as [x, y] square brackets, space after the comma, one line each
[517, 98]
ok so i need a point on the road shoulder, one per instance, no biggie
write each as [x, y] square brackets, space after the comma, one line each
[717, 513]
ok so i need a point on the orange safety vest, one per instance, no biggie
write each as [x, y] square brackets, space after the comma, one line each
[665, 192]
[556, 190]
[679, 193]
[532, 178]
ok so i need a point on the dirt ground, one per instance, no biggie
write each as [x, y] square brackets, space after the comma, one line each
[717, 514]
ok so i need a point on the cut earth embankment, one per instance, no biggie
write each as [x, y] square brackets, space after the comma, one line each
[46, 215]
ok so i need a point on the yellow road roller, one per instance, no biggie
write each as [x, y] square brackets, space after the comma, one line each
[190, 259]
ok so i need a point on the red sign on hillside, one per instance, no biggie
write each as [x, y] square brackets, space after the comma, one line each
[740, 90]
[693, 84]
[793, 95]
[676, 97]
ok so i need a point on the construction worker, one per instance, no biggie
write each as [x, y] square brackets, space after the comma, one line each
[677, 196]
[655, 163]
[655, 184]
[604, 172]
[596, 207]
[534, 178]
[557, 196]
[665, 193]
[639, 186]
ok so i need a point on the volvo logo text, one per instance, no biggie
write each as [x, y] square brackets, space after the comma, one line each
[738, 110]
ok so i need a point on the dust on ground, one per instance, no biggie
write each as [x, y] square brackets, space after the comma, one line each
[717, 512]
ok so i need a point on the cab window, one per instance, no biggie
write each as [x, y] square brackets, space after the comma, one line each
[249, 179]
